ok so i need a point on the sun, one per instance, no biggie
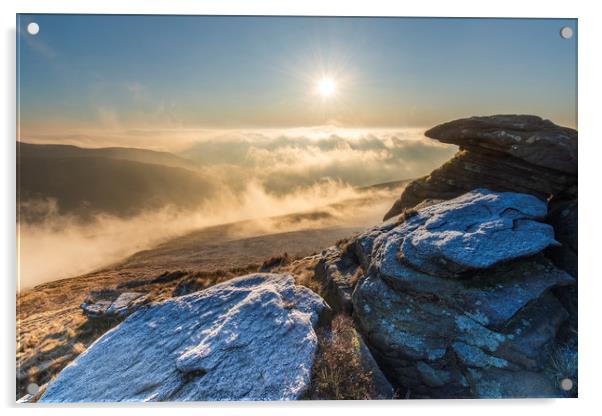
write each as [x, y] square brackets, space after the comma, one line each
[326, 87]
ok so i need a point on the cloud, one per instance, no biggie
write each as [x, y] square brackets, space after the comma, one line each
[62, 246]
[285, 161]
[259, 174]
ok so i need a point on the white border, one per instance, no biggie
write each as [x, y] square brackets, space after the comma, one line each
[590, 151]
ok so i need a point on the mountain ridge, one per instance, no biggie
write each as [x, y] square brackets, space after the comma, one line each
[26, 149]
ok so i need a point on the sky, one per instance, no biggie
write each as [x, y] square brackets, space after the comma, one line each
[84, 73]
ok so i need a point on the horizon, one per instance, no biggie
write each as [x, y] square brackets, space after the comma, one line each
[246, 73]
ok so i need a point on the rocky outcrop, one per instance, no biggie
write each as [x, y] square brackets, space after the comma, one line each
[338, 271]
[515, 153]
[250, 338]
[112, 305]
[457, 300]
[503, 153]
[528, 138]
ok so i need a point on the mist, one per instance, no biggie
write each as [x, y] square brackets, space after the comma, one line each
[252, 176]
[63, 246]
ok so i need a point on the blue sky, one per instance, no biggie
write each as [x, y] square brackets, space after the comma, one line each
[100, 72]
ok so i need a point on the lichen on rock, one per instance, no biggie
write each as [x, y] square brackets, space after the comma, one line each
[456, 299]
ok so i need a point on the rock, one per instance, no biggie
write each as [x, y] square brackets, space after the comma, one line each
[503, 153]
[110, 304]
[471, 324]
[563, 216]
[501, 291]
[536, 141]
[476, 230]
[250, 338]
[382, 387]
[564, 365]
[338, 270]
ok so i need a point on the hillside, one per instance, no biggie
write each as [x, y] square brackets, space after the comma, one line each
[125, 153]
[85, 182]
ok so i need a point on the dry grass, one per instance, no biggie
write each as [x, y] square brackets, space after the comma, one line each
[202, 280]
[359, 272]
[304, 273]
[274, 262]
[346, 244]
[48, 341]
[338, 373]
[405, 215]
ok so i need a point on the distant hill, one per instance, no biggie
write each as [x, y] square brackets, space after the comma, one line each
[115, 181]
[125, 153]
[118, 181]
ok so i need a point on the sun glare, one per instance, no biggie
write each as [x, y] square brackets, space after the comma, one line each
[327, 87]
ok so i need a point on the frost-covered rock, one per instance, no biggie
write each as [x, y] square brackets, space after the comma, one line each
[110, 304]
[474, 231]
[456, 302]
[250, 338]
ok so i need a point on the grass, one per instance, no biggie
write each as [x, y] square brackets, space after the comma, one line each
[338, 373]
[405, 215]
[343, 243]
[275, 261]
[45, 348]
[346, 244]
[202, 280]
[359, 272]
[304, 272]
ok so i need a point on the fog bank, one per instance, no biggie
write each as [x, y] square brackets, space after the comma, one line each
[245, 174]
[62, 246]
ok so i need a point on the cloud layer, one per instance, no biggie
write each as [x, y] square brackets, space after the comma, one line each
[286, 162]
[62, 246]
[259, 174]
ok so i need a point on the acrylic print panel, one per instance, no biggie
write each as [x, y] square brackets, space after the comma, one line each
[281, 208]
